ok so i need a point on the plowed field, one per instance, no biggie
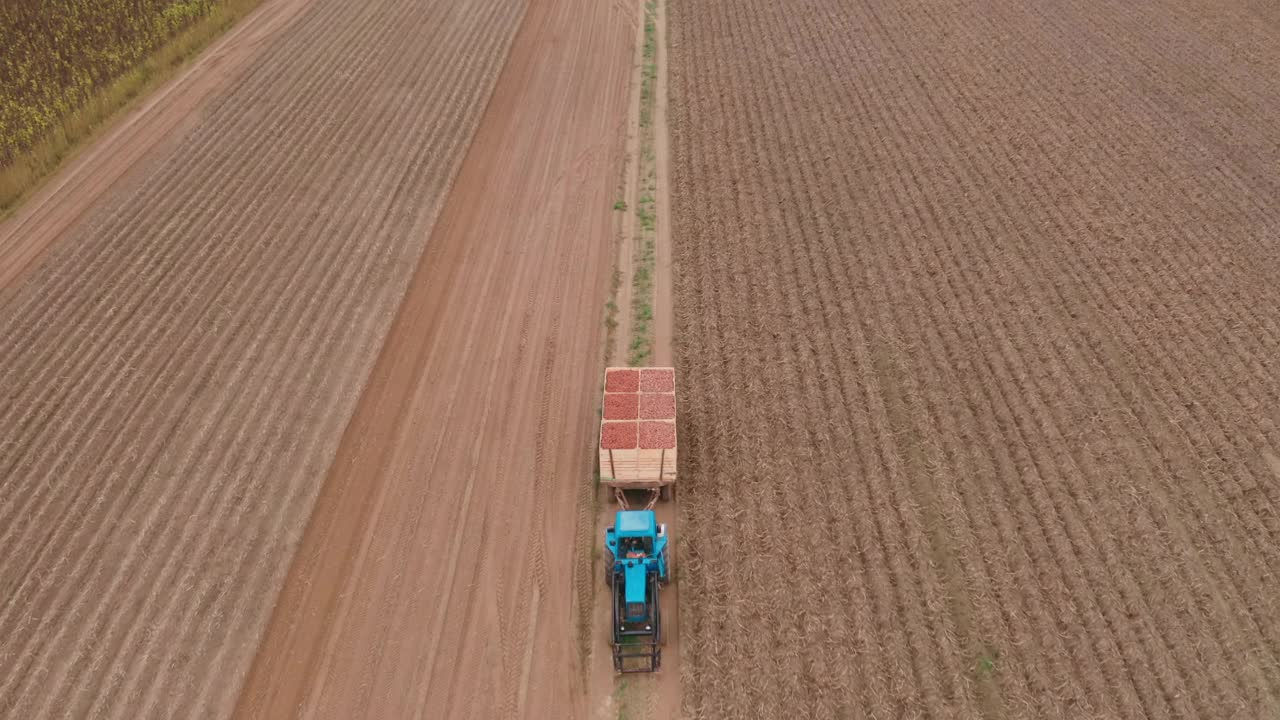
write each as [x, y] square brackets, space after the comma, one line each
[175, 376]
[978, 332]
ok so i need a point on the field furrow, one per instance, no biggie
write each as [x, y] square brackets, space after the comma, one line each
[986, 291]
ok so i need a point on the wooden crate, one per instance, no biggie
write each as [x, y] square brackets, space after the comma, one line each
[638, 428]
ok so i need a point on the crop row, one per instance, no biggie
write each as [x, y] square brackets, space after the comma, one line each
[975, 350]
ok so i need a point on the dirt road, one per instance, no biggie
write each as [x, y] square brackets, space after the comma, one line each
[178, 367]
[610, 695]
[979, 329]
[432, 581]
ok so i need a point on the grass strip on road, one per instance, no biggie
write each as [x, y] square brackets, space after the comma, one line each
[640, 349]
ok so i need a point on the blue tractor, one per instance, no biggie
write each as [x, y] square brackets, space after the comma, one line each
[635, 569]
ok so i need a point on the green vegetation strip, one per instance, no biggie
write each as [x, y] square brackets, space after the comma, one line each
[641, 348]
[70, 65]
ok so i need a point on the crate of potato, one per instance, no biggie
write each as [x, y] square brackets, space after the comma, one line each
[638, 428]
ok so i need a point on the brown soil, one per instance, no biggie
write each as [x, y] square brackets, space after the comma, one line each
[437, 576]
[178, 371]
[977, 330]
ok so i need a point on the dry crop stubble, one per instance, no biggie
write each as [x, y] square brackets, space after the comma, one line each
[1173, 353]
[987, 283]
[198, 376]
[1005, 291]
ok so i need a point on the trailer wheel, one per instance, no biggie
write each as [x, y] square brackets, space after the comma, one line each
[667, 492]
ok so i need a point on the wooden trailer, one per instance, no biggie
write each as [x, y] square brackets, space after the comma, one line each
[638, 431]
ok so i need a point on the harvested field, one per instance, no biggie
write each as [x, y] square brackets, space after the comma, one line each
[177, 373]
[978, 334]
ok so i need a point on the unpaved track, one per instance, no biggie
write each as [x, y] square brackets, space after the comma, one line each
[176, 374]
[979, 335]
[611, 695]
[434, 578]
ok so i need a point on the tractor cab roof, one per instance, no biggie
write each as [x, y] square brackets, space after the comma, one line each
[636, 523]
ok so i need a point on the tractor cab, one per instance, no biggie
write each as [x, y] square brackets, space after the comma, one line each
[635, 568]
[636, 548]
[637, 535]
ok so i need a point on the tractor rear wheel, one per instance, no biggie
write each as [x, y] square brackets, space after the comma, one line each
[608, 569]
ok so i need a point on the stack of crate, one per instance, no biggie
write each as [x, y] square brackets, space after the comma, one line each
[638, 427]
